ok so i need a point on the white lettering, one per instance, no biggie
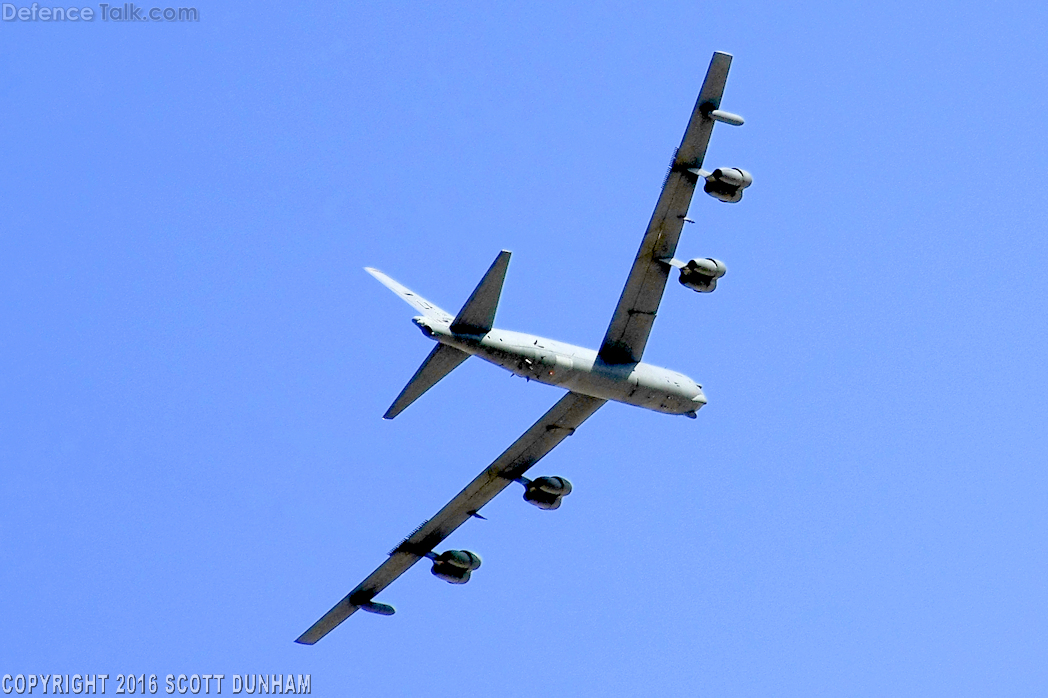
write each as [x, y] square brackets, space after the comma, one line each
[128, 12]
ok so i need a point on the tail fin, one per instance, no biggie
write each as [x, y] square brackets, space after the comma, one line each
[478, 314]
[476, 317]
[413, 299]
[440, 362]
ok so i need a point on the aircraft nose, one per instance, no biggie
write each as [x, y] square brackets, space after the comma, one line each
[699, 399]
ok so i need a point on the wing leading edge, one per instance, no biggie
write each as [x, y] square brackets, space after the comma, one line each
[631, 323]
[552, 428]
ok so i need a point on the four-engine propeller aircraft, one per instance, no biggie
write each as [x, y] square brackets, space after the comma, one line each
[614, 372]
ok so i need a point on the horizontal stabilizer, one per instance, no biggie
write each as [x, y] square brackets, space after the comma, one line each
[478, 314]
[410, 297]
[440, 362]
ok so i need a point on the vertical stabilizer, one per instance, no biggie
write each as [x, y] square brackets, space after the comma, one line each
[476, 317]
[410, 297]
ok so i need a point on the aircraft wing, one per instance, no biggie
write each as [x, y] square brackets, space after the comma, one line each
[554, 426]
[631, 324]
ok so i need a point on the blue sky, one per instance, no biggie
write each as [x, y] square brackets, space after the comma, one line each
[194, 364]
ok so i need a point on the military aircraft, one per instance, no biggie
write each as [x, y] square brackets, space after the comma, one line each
[614, 372]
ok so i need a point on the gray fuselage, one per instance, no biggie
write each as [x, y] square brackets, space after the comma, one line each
[575, 368]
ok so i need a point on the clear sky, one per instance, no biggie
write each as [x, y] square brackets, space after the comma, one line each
[193, 364]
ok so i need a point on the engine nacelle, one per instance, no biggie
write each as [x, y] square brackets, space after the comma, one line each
[727, 183]
[455, 566]
[546, 492]
[701, 274]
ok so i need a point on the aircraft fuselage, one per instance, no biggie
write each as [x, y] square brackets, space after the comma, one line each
[575, 368]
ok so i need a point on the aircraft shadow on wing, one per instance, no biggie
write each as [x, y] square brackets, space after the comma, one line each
[591, 377]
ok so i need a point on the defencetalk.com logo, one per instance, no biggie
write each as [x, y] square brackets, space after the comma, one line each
[127, 12]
